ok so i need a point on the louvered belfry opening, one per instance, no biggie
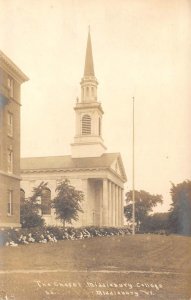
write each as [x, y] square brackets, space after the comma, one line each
[86, 125]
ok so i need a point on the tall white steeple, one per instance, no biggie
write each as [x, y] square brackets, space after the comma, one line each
[88, 140]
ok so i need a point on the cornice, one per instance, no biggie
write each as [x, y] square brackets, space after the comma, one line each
[37, 171]
[88, 79]
[86, 143]
[24, 171]
[11, 66]
[82, 105]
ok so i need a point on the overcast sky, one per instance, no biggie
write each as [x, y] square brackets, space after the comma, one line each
[141, 48]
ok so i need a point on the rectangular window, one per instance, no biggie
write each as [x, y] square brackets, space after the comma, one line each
[10, 161]
[10, 124]
[10, 203]
[10, 84]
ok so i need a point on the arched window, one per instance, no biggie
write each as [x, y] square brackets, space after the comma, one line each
[22, 195]
[46, 202]
[86, 125]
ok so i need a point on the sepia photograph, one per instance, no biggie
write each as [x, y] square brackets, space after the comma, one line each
[95, 149]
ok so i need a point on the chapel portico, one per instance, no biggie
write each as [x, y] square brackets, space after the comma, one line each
[106, 204]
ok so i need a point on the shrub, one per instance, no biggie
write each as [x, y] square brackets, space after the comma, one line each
[13, 237]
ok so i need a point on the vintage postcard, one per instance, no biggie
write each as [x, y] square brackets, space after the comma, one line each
[95, 186]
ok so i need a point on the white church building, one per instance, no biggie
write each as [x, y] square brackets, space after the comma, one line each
[99, 175]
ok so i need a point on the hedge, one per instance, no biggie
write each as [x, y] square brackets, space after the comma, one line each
[24, 236]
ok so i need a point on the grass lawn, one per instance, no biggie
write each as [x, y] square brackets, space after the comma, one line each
[119, 267]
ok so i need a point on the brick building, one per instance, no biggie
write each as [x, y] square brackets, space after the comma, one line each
[11, 78]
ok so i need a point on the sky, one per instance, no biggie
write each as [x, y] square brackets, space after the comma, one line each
[141, 49]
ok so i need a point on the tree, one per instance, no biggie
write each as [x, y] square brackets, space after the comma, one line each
[144, 203]
[29, 209]
[180, 211]
[156, 222]
[67, 202]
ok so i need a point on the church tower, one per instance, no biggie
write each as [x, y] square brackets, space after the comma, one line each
[88, 140]
[99, 175]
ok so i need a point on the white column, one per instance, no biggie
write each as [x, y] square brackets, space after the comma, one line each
[109, 204]
[105, 203]
[100, 205]
[122, 207]
[113, 204]
[116, 206]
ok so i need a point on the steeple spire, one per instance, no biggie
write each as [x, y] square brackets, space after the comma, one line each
[89, 82]
[89, 65]
[88, 140]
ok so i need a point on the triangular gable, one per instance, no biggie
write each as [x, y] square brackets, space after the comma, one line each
[117, 166]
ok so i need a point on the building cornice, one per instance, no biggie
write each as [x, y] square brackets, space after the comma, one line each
[89, 143]
[24, 171]
[88, 105]
[65, 170]
[9, 65]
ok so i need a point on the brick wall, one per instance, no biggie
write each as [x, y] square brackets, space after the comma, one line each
[9, 184]
[9, 181]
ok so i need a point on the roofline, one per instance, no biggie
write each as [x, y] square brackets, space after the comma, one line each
[61, 169]
[122, 166]
[69, 155]
[123, 178]
[37, 170]
[10, 64]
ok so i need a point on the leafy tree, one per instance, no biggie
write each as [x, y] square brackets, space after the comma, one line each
[156, 222]
[144, 203]
[180, 211]
[67, 202]
[29, 209]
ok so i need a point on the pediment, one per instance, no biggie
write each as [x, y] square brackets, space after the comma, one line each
[117, 167]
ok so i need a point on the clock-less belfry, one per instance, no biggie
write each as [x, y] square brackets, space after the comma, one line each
[88, 141]
[89, 168]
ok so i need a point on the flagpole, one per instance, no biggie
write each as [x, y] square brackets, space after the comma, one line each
[133, 169]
